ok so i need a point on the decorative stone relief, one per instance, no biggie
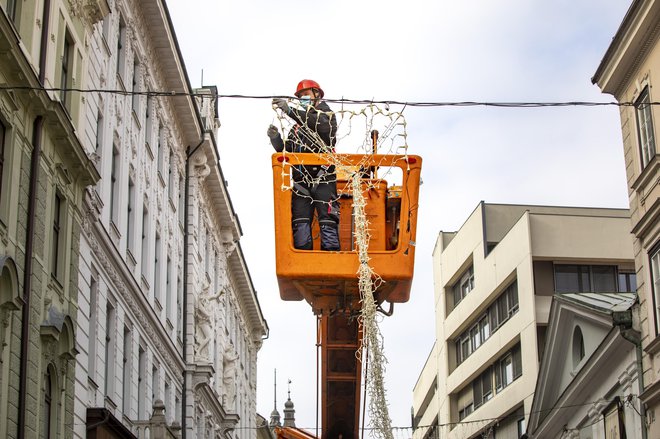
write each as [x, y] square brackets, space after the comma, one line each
[89, 11]
[229, 361]
[205, 307]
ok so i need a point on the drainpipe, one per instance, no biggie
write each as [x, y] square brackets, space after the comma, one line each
[634, 338]
[624, 320]
[37, 134]
[27, 275]
[186, 227]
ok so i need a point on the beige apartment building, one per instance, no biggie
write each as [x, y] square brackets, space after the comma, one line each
[630, 71]
[494, 280]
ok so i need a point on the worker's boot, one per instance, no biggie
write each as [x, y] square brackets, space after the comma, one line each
[329, 237]
[302, 236]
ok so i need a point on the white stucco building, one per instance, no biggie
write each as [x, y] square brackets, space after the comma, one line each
[494, 283]
[590, 375]
[167, 309]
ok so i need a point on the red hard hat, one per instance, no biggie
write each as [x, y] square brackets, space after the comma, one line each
[306, 84]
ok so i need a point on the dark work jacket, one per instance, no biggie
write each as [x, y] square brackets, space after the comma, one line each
[311, 124]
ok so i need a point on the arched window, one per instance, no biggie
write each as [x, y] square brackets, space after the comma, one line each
[49, 414]
[578, 346]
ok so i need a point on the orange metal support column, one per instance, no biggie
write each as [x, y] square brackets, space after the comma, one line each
[341, 376]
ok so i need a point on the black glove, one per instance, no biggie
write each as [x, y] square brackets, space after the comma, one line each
[281, 104]
[272, 132]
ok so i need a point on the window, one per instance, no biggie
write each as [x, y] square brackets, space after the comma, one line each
[207, 251]
[179, 306]
[482, 388]
[655, 277]
[160, 153]
[93, 317]
[171, 179]
[465, 411]
[50, 408]
[585, 278]
[627, 282]
[145, 240]
[645, 127]
[149, 122]
[135, 87]
[613, 417]
[157, 292]
[578, 346]
[142, 382]
[126, 371]
[522, 426]
[106, 28]
[154, 382]
[130, 217]
[464, 285]
[508, 368]
[182, 204]
[66, 78]
[167, 394]
[504, 307]
[114, 185]
[12, 9]
[495, 316]
[572, 278]
[56, 247]
[121, 50]
[109, 349]
[168, 287]
[99, 132]
[604, 278]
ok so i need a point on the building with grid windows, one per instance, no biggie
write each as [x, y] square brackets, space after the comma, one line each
[630, 71]
[495, 279]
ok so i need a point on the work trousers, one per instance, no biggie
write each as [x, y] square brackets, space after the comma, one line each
[306, 199]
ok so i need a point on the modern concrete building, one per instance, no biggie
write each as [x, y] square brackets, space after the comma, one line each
[494, 283]
[44, 171]
[630, 71]
[167, 309]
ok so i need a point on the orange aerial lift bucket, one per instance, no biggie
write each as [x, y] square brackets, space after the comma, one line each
[328, 280]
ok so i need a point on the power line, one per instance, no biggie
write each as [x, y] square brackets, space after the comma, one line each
[205, 95]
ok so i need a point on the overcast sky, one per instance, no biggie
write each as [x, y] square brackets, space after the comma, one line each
[414, 50]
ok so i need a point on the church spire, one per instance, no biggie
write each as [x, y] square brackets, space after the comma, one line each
[275, 415]
[289, 411]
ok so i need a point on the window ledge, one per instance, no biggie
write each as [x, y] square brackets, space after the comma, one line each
[654, 347]
[648, 220]
[650, 170]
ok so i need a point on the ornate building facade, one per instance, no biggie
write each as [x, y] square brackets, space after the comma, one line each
[44, 171]
[119, 241]
[630, 71]
[171, 314]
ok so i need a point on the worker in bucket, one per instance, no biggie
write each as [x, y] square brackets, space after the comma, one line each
[314, 186]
